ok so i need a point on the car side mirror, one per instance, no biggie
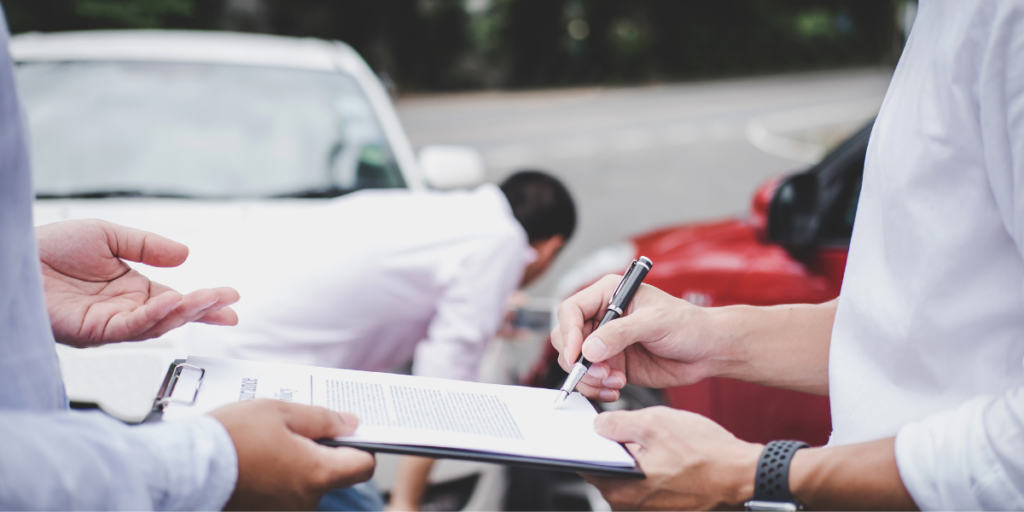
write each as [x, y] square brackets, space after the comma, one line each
[452, 167]
[758, 218]
[792, 214]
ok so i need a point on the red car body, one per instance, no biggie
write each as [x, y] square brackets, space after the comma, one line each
[791, 248]
[726, 263]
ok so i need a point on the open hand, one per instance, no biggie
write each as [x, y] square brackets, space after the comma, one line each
[660, 342]
[94, 298]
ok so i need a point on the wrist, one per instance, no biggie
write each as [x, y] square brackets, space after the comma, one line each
[741, 475]
[801, 473]
[724, 333]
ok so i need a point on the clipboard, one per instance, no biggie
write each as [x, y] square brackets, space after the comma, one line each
[165, 396]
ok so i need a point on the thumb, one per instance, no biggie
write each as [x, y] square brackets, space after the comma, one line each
[317, 422]
[624, 427]
[144, 247]
[615, 336]
[345, 466]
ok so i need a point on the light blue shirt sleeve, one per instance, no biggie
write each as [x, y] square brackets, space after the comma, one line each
[88, 461]
[55, 459]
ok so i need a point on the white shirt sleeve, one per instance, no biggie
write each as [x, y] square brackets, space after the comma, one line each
[972, 457]
[471, 310]
[969, 458]
[88, 461]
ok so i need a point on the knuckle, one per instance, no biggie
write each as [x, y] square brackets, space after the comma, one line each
[661, 411]
[564, 307]
[649, 414]
[556, 338]
[613, 421]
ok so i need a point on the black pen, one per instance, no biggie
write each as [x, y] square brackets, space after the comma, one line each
[621, 297]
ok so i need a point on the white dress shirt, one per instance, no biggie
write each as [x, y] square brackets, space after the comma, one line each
[55, 459]
[928, 341]
[368, 281]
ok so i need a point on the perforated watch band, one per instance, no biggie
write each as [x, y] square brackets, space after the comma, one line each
[771, 485]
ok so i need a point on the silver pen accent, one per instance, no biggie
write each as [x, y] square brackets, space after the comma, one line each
[578, 370]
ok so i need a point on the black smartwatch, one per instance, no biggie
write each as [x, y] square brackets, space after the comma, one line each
[771, 484]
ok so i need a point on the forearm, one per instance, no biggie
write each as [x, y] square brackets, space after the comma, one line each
[410, 483]
[854, 477]
[781, 346]
[88, 461]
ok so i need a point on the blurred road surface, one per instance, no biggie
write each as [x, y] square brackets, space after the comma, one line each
[640, 158]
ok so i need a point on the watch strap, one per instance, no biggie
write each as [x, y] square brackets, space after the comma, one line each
[772, 480]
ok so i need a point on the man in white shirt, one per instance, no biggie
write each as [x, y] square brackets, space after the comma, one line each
[397, 275]
[922, 353]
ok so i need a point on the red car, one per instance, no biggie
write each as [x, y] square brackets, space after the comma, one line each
[790, 249]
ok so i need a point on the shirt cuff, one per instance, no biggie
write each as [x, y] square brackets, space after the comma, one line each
[947, 462]
[200, 461]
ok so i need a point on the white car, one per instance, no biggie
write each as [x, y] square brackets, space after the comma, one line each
[189, 134]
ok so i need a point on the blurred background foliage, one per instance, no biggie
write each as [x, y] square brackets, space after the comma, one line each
[469, 44]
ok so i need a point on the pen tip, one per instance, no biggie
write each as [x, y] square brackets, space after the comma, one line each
[562, 395]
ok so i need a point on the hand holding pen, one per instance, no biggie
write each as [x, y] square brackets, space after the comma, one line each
[620, 299]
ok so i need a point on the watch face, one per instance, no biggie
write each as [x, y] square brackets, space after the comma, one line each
[771, 505]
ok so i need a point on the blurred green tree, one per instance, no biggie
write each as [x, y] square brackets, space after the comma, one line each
[459, 44]
[55, 15]
[134, 13]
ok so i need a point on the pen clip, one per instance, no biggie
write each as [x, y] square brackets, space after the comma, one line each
[622, 281]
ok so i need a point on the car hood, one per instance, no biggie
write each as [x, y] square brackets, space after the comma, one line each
[726, 262]
[222, 236]
[721, 245]
[184, 220]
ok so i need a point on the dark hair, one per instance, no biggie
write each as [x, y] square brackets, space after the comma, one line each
[541, 204]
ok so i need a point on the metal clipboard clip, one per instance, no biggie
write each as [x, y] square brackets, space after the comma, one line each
[166, 395]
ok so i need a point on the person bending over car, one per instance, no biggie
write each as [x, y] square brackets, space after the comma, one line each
[389, 277]
[921, 355]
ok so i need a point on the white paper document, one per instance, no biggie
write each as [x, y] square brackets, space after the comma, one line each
[414, 411]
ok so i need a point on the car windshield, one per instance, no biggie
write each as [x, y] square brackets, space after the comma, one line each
[103, 129]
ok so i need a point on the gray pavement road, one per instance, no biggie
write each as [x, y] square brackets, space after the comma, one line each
[640, 158]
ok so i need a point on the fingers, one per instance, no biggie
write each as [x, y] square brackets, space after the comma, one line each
[602, 375]
[337, 467]
[346, 466]
[226, 317]
[625, 494]
[124, 326]
[317, 422]
[597, 392]
[558, 344]
[575, 311]
[195, 306]
[220, 313]
[626, 426]
[612, 338]
[144, 247]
